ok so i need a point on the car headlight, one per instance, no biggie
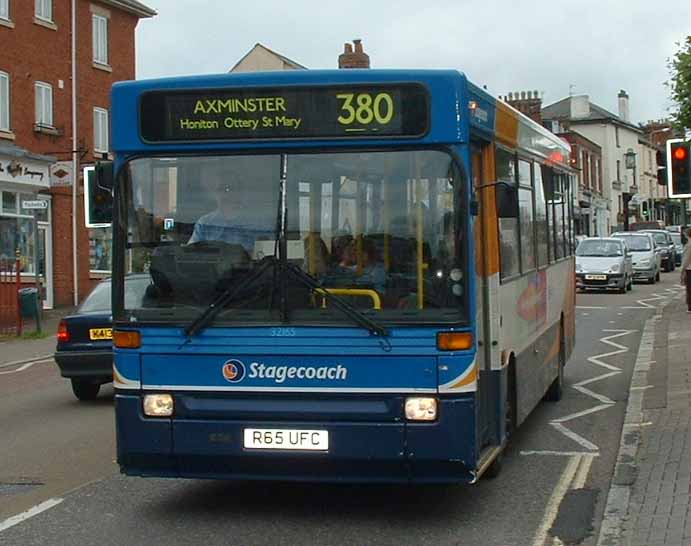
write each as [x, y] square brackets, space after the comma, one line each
[158, 405]
[614, 268]
[645, 263]
[421, 408]
[579, 267]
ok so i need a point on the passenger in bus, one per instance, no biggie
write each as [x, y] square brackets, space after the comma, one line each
[366, 266]
[317, 264]
[229, 222]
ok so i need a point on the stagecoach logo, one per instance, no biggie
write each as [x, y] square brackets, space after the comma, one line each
[233, 371]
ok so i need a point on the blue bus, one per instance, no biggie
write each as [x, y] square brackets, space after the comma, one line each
[355, 275]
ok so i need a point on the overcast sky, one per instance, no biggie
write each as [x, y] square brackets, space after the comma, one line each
[593, 47]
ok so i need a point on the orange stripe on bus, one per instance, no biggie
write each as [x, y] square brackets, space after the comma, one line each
[506, 124]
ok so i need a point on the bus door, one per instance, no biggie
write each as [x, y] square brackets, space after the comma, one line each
[487, 294]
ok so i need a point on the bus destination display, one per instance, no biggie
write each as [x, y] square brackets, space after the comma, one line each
[263, 114]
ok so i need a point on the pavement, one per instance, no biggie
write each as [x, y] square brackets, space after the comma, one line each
[650, 499]
[17, 349]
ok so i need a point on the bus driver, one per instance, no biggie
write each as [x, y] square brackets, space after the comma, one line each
[228, 223]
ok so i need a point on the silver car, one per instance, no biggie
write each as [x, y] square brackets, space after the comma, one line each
[644, 253]
[604, 263]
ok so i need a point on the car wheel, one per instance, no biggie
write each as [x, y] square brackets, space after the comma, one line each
[622, 290]
[657, 277]
[629, 286]
[85, 390]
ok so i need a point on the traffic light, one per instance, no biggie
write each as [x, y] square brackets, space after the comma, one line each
[98, 195]
[661, 168]
[679, 166]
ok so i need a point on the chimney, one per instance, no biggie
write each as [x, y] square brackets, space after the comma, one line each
[528, 103]
[353, 59]
[623, 105]
[579, 106]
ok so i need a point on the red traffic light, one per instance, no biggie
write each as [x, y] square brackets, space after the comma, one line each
[680, 153]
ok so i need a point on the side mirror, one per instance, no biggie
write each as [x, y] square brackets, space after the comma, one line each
[507, 200]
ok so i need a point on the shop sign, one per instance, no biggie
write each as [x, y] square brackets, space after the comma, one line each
[61, 174]
[23, 172]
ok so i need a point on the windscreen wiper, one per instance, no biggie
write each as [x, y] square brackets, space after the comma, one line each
[346, 308]
[228, 295]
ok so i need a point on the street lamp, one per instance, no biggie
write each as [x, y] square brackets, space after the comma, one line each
[630, 162]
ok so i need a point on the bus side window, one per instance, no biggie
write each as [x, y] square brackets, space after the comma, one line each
[541, 218]
[508, 225]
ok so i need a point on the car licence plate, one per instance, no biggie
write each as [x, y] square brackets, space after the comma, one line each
[289, 439]
[100, 333]
[596, 277]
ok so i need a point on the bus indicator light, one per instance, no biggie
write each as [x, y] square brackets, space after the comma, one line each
[454, 341]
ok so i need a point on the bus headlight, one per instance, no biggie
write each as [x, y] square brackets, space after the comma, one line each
[158, 405]
[420, 408]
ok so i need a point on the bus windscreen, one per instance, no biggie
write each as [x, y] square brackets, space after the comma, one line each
[399, 110]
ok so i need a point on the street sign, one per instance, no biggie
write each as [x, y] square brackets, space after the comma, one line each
[36, 204]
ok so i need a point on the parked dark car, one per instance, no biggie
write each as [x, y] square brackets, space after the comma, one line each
[663, 239]
[84, 350]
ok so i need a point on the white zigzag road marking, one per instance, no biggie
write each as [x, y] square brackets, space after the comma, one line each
[643, 303]
[605, 402]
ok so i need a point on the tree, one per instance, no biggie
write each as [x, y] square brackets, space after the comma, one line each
[680, 86]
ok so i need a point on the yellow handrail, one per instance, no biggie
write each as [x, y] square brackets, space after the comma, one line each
[372, 294]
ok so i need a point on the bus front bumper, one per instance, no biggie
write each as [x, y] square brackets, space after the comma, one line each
[359, 451]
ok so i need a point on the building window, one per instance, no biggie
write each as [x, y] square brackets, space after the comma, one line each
[5, 9]
[616, 136]
[44, 10]
[100, 38]
[618, 170]
[4, 102]
[100, 130]
[44, 104]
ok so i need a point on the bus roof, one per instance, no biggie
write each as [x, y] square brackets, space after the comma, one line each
[457, 109]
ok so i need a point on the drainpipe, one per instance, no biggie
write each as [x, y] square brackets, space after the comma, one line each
[75, 159]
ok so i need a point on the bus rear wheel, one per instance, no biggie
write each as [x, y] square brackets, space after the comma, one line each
[556, 389]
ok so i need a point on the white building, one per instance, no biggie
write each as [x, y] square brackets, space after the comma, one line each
[262, 59]
[616, 135]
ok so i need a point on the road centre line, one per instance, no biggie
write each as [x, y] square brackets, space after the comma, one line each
[26, 366]
[31, 512]
[25, 361]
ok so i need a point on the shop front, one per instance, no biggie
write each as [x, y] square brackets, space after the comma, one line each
[26, 232]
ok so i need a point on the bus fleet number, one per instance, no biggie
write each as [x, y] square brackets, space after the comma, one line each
[364, 109]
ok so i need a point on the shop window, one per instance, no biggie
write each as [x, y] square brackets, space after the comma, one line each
[100, 249]
[17, 230]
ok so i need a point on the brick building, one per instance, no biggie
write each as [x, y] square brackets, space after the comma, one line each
[40, 145]
[591, 209]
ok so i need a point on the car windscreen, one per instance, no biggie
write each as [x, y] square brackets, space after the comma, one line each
[637, 243]
[660, 238]
[676, 237]
[599, 248]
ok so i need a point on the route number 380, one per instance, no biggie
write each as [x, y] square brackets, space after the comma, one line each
[364, 109]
